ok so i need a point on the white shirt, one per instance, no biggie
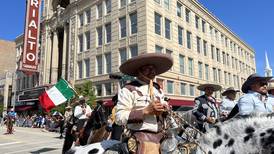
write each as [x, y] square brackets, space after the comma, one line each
[78, 112]
[128, 101]
[227, 105]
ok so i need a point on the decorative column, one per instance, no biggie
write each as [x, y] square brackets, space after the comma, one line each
[54, 60]
[64, 64]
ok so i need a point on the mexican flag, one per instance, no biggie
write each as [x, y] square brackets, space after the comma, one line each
[58, 94]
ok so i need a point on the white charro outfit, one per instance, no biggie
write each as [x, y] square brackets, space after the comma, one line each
[131, 102]
[135, 97]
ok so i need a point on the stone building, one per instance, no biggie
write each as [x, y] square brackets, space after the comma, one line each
[26, 88]
[7, 69]
[87, 40]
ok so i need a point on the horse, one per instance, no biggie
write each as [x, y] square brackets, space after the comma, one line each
[94, 130]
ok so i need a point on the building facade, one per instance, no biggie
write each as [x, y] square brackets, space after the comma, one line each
[26, 88]
[7, 69]
[88, 40]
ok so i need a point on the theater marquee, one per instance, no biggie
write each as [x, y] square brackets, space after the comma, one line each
[29, 61]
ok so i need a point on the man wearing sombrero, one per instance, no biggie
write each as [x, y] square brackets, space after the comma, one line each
[228, 102]
[255, 99]
[206, 110]
[141, 103]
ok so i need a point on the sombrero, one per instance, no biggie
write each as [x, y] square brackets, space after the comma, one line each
[214, 86]
[68, 107]
[161, 62]
[253, 78]
[229, 90]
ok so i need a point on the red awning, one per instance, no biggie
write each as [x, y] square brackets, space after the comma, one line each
[23, 108]
[178, 102]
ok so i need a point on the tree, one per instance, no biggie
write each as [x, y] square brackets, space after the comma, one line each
[87, 90]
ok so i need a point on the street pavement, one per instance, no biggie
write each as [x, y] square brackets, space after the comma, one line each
[30, 140]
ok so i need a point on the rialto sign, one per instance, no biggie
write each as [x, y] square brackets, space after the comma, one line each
[29, 62]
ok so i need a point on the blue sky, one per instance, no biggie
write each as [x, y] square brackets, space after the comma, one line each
[252, 21]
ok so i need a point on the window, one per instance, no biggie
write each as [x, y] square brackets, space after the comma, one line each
[211, 30]
[200, 67]
[187, 15]
[123, 27]
[182, 63]
[169, 87]
[197, 22]
[81, 19]
[203, 26]
[80, 70]
[108, 6]
[99, 36]
[123, 3]
[99, 65]
[123, 55]
[180, 35]
[134, 50]
[158, 1]
[87, 66]
[99, 11]
[190, 67]
[87, 34]
[205, 47]
[108, 32]
[227, 59]
[133, 23]
[99, 90]
[81, 43]
[212, 52]
[88, 16]
[179, 9]
[219, 75]
[214, 74]
[108, 88]
[157, 18]
[218, 55]
[169, 52]
[188, 37]
[206, 72]
[198, 44]
[224, 57]
[225, 74]
[167, 28]
[183, 88]
[167, 4]
[191, 90]
[108, 62]
[158, 49]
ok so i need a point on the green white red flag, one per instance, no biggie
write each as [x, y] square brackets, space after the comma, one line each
[58, 94]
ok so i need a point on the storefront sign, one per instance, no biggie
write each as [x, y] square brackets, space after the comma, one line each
[29, 62]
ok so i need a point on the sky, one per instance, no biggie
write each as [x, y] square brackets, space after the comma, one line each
[252, 21]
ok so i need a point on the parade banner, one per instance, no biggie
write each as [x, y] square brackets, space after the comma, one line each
[29, 61]
[58, 94]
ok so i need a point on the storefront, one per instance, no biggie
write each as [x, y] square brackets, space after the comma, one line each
[28, 100]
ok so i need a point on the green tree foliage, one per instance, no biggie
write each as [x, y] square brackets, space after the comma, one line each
[87, 90]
